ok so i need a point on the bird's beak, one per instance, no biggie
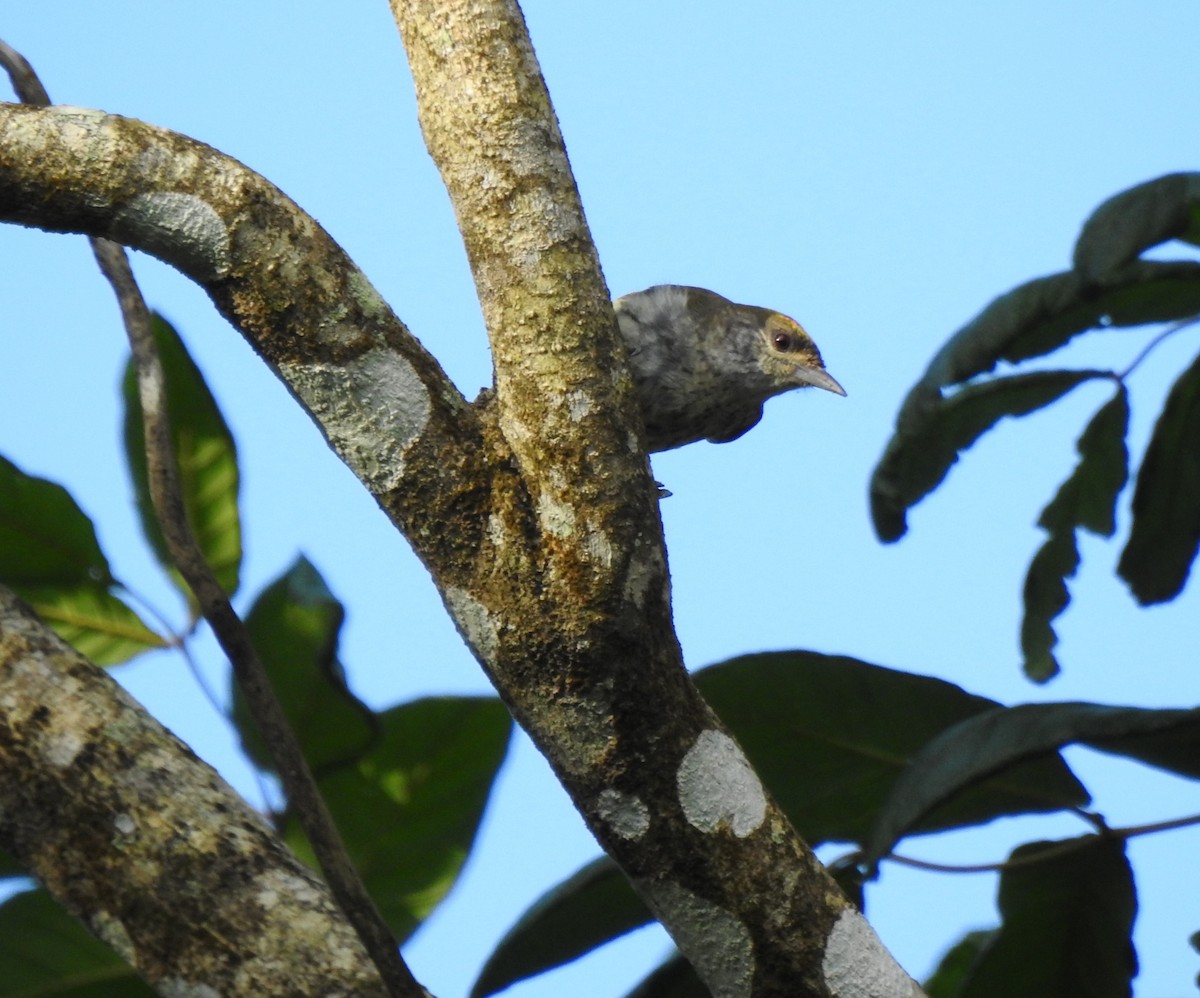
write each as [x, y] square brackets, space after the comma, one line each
[819, 378]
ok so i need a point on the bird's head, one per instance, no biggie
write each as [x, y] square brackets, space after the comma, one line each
[787, 354]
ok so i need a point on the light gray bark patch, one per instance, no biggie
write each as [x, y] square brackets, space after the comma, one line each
[179, 228]
[626, 814]
[718, 788]
[857, 965]
[174, 987]
[372, 408]
[718, 945]
[474, 622]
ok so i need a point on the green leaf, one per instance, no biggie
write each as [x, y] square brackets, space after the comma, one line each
[44, 951]
[1166, 502]
[207, 458]
[50, 557]
[674, 979]
[294, 625]
[409, 810]
[1087, 499]
[406, 787]
[1175, 748]
[955, 967]
[1067, 922]
[45, 538]
[963, 755]
[1044, 314]
[590, 908]
[1046, 596]
[1130, 222]
[829, 735]
[932, 432]
[93, 621]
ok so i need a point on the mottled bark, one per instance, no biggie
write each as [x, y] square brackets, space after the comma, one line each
[534, 508]
[146, 844]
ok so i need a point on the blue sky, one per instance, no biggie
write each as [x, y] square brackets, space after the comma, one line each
[879, 172]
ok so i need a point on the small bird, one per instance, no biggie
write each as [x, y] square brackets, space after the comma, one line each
[704, 366]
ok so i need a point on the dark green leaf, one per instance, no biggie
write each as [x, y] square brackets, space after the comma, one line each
[1166, 502]
[1130, 222]
[980, 746]
[674, 979]
[955, 967]
[1067, 921]
[592, 907]
[1175, 748]
[207, 458]
[50, 557]
[930, 435]
[294, 625]
[1046, 596]
[409, 809]
[45, 538]
[44, 952]
[1042, 315]
[829, 735]
[1087, 499]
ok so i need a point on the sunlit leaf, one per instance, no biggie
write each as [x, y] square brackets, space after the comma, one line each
[409, 809]
[93, 621]
[45, 538]
[207, 458]
[50, 557]
[1166, 501]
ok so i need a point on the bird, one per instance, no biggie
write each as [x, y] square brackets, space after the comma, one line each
[703, 366]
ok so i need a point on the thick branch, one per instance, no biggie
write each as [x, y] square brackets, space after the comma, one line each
[572, 618]
[384, 404]
[535, 514]
[304, 797]
[147, 845]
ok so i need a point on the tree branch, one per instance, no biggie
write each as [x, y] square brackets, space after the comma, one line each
[534, 509]
[385, 405]
[147, 845]
[299, 784]
[573, 619]
[163, 473]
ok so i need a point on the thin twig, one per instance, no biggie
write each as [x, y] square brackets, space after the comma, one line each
[1127, 832]
[298, 782]
[1171, 330]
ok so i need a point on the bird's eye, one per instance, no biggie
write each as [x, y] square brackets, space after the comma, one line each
[782, 342]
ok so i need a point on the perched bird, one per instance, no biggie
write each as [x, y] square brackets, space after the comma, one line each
[704, 366]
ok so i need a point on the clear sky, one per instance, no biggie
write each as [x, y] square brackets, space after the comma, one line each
[878, 171]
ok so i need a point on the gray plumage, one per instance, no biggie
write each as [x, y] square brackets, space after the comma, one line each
[704, 366]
